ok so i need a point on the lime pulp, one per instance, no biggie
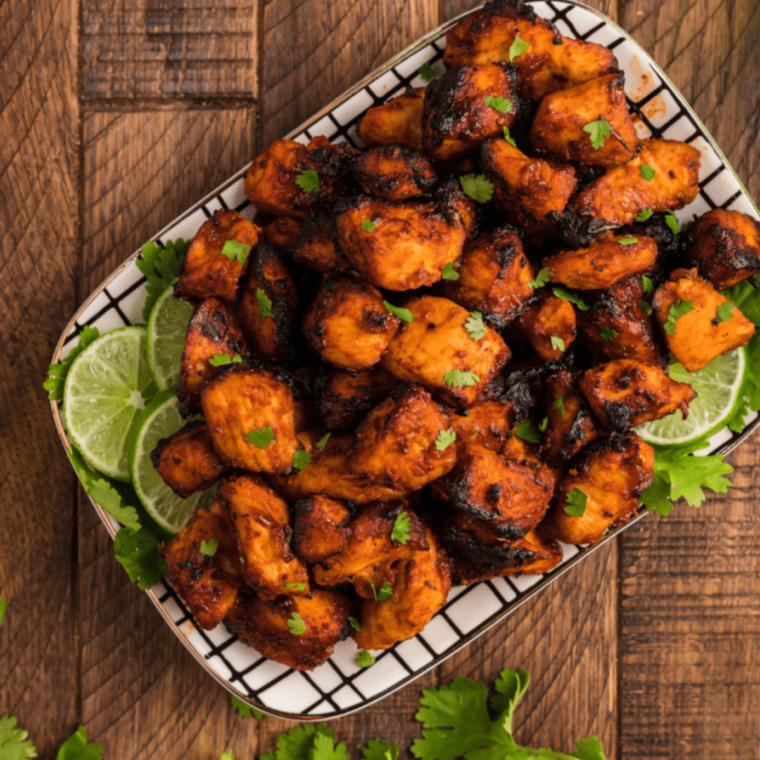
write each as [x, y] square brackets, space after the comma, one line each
[167, 327]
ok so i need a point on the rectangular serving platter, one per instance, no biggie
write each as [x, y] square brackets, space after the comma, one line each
[339, 687]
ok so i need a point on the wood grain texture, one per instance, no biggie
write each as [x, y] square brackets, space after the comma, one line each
[168, 48]
[39, 176]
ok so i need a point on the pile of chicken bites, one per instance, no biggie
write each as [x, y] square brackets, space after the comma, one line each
[423, 363]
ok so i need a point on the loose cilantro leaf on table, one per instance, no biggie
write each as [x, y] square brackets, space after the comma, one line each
[261, 437]
[675, 312]
[518, 47]
[475, 326]
[308, 180]
[543, 276]
[77, 748]
[455, 378]
[499, 103]
[427, 72]
[598, 131]
[527, 432]
[380, 750]
[576, 503]
[364, 659]
[449, 273]
[235, 251]
[307, 742]
[401, 528]
[403, 314]
[579, 302]
[161, 267]
[14, 744]
[444, 439]
[477, 187]
[229, 755]
[57, 372]
[244, 710]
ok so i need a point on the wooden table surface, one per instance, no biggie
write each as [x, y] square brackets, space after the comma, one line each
[118, 114]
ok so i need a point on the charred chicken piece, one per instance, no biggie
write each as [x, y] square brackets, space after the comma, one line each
[724, 246]
[187, 461]
[394, 173]
[450, 195]
[207, 271]
[558, 127]
[212, 331]
[397, 122]
[486, 423]
[466, 106]
[320, 528]
[208, 584]
[261, 522]
[343, 398]
[548, 324]
[267, 306]
[697, 322]
[244, 400]
[611, 474]
[396, 443]
[625, 393]
[266, 626]
[436, 351]
[315, 247]
[348, 324]
[551, 63]
[282, 232]
[399, 246]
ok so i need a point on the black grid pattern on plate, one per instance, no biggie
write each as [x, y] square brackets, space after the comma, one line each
[506, 594]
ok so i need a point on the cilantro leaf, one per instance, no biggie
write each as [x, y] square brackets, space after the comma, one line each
[385, 592]
[14, 744]
[527, 432]
[161, 267]
[77, 748]
[499, 103]
[3, 608]
[657, 496]
[562, 293]
[354, 623]
[588, 749]
[607, 333]
[508, 137]
[236, 251]
[220, 360]
[648, 173]
[295, 586]
[725, 311]
[244, 710]
[229, 755]
[672, 222]
[444, 439]
[642, 216]
[364, 659]
[557, 343]
[264, 304]
[543, 424]
[559, 404]
[301, 459]
[455, 378]
[628, 240]
[576, 501]
[646, 307]
[322, 442]
[647, 284]
[449, 273]
[477, 187]
[261, 437]
[401, 528]
[518, 47]
[368, 226]
[747, 300]
[403, 314]
[326, 749]
[308, 180]
[299, 743]
[57, 372]
[427, 72]
[296, 624]
[380, 750]
[475, 326]
[543, 276]
[598, 130]
[137, 551]
[675, 312]
[209, 547]
[736, 421]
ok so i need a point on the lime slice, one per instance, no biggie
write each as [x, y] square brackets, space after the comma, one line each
[105, 389]
[160, 420]
[167, 326]
[718, 387]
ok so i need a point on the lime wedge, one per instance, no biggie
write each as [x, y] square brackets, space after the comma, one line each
[718, 387]
[105, 389]
[160, 420]
[167, 326]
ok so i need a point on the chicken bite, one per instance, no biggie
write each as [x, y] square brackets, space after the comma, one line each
[397, 122]
[282, 232]
[548, 324]
[343, 398]
[320, 528]
[251, 416]
[486, 423]
[437, 351]
[348, 324]
[625, 393]
[394, 173]
[315, 247]
[209, 270]
[698, 323]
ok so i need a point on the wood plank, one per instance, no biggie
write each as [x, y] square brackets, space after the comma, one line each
[168, 48]
[313, 52]
[38, 260]
[452, 8]
[140, 171]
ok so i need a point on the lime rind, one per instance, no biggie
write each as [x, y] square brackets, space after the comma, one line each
[104, 391]
[167, 326]
[719, 388]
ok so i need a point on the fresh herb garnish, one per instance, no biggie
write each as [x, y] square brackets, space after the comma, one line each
[322, 442]
[628, 240]
[642, 216]
[402, 528]
[57, 372]
[647, 284]
[300, 587]
[354, 623]
[475, 326]
[608, 333]
[427, 72]
[454, 378]
[161, 267]
[308, 180]
[527, 432]
[264, 304]
[672, 222]
[444, 439]
[261, 437]
[477, 187]
[598, 130]
[219, 360]
[14, 742]
[559, 404]
[725, 311]
[562, 293]
[449, 273]
[498, 103]
[209, 547]
[646, 307]
[364, 659]
[368, 226]
[385, 592]
[403, 314]
[543, 276]
[648, 173]
[675, 312]
[508, 137]
[301, 459]
[244, 710]
[235, 251]
[557, 343]
[576, 503]
[296, 624]
[518, 47]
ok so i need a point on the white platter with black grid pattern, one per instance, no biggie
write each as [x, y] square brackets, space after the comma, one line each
[339, 687]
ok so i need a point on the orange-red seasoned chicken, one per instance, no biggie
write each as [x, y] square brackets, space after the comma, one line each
[548, 324]
[394, 173]
[315, 247]
[486, 423]
[397, 122]
[282, 232]
[320, 528]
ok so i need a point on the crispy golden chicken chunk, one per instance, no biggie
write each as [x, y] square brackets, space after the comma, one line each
[207, 582]
[609, 475]
[343, 398]
[625, 393]
[466, 106]
[559, 125]
[698, 323]
[329, 473]
[615, 326]
[623, 192]
[510, 495]
[486, 423]
[602, 264]
[370, 557]
[548, 324]
[399, 246]
[348, 324]
[315, 248]
[397, 442]
[261, 522]
[494, 276]
[299, 632]
[267, 307]
[437, 351]
[320, 528]
[394, 173]
[397, 122]
[247, 400]
[551, 63]
[282, 232]
[570, 422]
[528, 188]
[451, 196]
[187, 461]
[210, 271]
[420, 590]
[724, 246]
[212, 332]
